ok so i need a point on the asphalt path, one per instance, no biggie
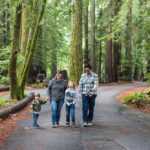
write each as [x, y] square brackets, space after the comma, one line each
[115, 127]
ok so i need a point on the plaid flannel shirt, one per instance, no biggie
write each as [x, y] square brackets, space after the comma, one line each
[87, 82]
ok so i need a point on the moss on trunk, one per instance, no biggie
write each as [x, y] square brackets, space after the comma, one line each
[17, 85]
[14, 52]
[28, 58]
[76, 61]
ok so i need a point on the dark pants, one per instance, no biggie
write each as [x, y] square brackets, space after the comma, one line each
[70, 110]
[88, 103]
[35, 118]
[56, 110]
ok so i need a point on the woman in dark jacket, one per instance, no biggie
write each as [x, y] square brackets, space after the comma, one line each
[56, 94]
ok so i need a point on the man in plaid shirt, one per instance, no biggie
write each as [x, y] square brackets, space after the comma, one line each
[87, 88]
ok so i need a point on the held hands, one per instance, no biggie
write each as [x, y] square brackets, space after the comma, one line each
[47, 98]
[93, 90]
[80, 96]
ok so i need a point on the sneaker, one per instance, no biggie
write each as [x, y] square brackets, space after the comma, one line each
[90, 123]
[53, 125]
[85, 124]
[67, 124]
[36, 127]
[57, 124]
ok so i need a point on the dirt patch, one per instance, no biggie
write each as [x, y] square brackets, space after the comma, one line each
[4, 93]
[119, 97]
[8, 125]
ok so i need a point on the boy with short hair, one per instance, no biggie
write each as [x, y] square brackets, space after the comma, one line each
[36, 107]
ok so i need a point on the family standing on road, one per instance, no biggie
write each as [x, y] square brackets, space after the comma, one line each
[59, 92]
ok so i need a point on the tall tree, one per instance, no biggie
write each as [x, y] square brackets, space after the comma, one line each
[14, 52]
[86, 52]
[93, 58]
[116, 45]
[128, 45]
[76, 62]
[17, 84]
[100, 49]
[108, 57]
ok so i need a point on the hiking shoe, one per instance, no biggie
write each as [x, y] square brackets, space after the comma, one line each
[36, 127]
[90, 123]
[57, 124]
[85, 124]
[53, 125]
[67, 124]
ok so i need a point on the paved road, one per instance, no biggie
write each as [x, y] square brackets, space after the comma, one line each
[116, 128]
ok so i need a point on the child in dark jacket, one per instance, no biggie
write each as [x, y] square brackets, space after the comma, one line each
[70, 100]
[36, 107]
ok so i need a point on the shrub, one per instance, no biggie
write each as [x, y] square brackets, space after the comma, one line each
[4, 80]
[147, 92]
[2, 102]
[136, 98]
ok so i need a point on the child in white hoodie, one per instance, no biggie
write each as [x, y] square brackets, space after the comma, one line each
[70, 100]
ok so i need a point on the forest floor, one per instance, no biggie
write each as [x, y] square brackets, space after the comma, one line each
[8, 125]
[120, 98]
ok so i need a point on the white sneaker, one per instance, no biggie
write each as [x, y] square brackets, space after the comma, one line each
[53, 125]
[90, 123]
[85, 124]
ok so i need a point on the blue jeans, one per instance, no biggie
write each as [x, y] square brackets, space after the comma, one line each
[35, 118]
[70, 110]
[56, 110]
[88, 103]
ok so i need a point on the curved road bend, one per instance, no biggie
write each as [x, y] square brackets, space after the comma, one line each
[116, 128]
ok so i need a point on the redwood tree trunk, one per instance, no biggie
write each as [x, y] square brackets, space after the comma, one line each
[93, 59]
[108, 57]
[86, 53]
[14, 52]
[128, 39]
[76, 61]
[117, 46]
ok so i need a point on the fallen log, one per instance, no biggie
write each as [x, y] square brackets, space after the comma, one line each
[4, 88]
[16, 107]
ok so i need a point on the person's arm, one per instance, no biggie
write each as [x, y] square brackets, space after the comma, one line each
[65, 96]
[96, 82]
[80, 86]
[43, 102]
[49, 90]
[75, 97]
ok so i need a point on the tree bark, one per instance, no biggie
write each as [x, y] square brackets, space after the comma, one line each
[86, 52]
[76, 61]
[108, 57]
[54, 63]
[93, 58]
[100, 61]
[25, 29]
[117, 46]
[128, 40]
[14, 52]
[100, 50]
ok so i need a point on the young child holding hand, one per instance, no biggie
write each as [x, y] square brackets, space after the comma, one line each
[70, 101]
[36, 107]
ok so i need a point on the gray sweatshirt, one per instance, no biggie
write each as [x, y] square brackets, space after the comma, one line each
[56, 89]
